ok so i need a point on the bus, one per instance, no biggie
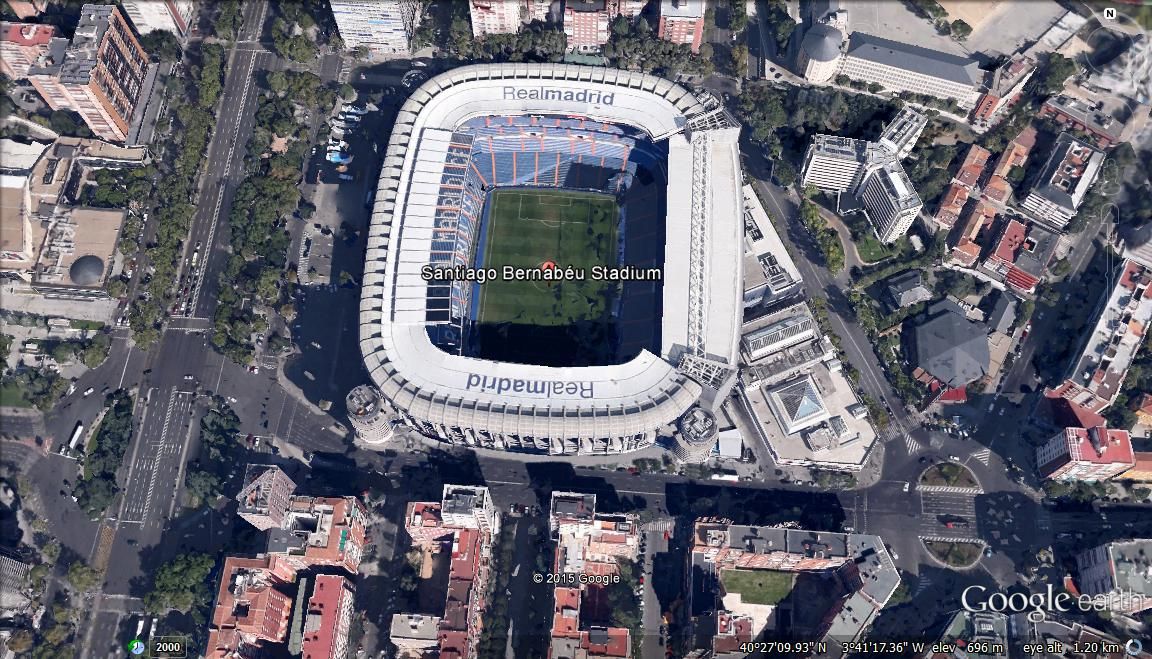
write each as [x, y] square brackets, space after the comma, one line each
[76, 435]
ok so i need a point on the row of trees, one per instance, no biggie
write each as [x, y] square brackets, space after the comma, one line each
[183, 585]
[228, 19]
[117, 188]
[189, 125]
[634, 46]
[91, 351]
[781, 120]
[218, 429]
[263, 204]
[780, 22]
[97, 489]
[826, 238]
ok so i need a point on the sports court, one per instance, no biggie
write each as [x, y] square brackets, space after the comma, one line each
[528, 228]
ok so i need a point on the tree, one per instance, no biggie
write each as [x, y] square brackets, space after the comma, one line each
[960, 29]
[62, 353]
[784, 172]
[347, 92]
[83, 577]
[162, 45]
[706, 51]
[740, 60]
[277, 82]
[621, 26]
[202, 484]
[1056, 70]
[181, 585]
[1016, 175]
[21, 641]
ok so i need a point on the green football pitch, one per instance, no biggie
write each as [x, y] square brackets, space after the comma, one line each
[528, 228]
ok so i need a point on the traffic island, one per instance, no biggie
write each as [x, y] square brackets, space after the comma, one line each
[955, 553]
[949, 474]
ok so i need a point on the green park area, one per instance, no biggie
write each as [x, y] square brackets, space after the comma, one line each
[758, 586]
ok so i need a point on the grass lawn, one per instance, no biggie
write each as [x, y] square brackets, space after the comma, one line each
[528, 228]
[758, 586]
[12, 395]
[956, 554]
[950, 474]
[86, 324]
[872, 250]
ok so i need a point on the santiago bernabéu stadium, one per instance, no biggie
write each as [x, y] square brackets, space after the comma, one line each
[554, 258]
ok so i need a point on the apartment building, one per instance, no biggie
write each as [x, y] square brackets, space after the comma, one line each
[328, 618]
[25, 9]
[586, 22]
[891, 201]
[1099, 371]
[173, 16]
[1004, 89]
[900, 67]
[321, 531]
[1119, 572]
[1071, 170]
[496, 16]
[682, 22]
[24, 45]
[383, 28]
[854, 572]
[872, 172]
[263, 606]
[901, 134]
[103, 74]
[1090, 117]
[587, 543]
[464, 522]
[1021, 254]
[265, 496]
[1086, 454]
[253, 607]
[835, 163]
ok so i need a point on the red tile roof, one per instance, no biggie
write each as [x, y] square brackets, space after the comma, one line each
[1115, 445]
[28, 34]
[997, 189]
[1142, 470]
[328, 602]
[616, 644]
[955, 395]
[1066, 413]
[566, 613]
[973, 165]
[1144, 405]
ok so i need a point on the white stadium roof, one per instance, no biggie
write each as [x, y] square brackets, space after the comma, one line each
[702, 275]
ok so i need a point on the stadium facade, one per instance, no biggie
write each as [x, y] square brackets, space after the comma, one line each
[478, 128]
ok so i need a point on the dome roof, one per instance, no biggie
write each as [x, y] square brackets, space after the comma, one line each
[86, 270]
[822, 43]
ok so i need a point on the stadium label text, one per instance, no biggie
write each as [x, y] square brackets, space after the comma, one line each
[554, 94]
[557, 273]
[544, 388]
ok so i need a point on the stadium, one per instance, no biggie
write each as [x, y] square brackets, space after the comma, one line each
[554, 258]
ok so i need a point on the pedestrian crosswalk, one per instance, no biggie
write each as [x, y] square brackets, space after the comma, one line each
[983, 455]
[911, 444]
[1043, 519]
[922, 584]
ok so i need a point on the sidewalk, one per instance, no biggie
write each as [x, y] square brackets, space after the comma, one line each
[653, 452]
